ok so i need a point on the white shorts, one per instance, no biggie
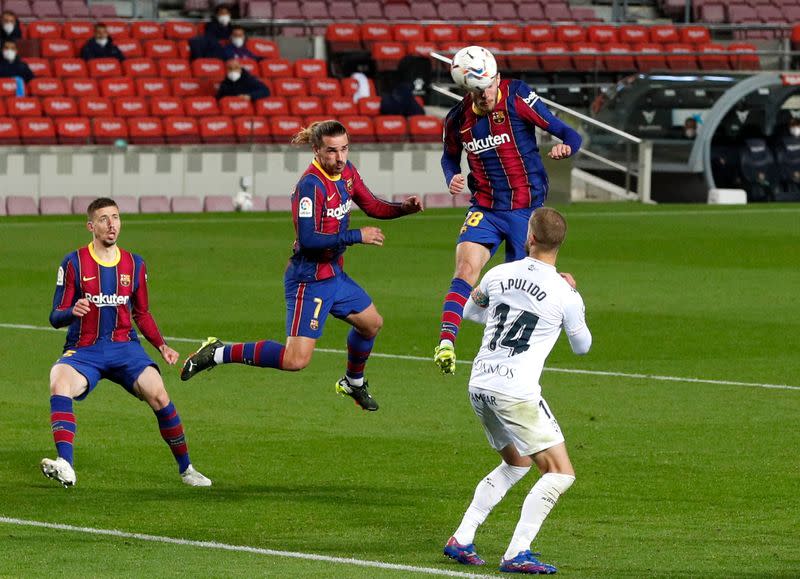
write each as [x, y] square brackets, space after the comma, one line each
[527, 424]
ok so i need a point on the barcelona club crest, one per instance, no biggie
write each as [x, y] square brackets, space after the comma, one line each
[349, 185]
[314, 324]
[124, 279]
[499, 117]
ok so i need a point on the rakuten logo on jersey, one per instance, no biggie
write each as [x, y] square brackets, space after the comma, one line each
[341, 211]
[479, 146]
[106, 300]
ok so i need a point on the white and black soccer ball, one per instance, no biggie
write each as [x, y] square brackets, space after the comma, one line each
[243, 201]
[474, 68]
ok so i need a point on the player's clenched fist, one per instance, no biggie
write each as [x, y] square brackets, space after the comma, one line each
[411, 205]
[457, 184]
[560, 151]
[170, 356]
[371, 236]
[81, 308]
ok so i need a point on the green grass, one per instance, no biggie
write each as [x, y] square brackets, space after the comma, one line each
[674, 478]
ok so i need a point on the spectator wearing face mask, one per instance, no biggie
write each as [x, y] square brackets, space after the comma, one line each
[101, 46]
[237, 48]
[690, 128]
[12, 65]
[794, 127]
[239, 82]
[220, 26]
[10, 30]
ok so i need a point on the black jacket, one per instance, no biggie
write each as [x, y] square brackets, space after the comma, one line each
[216, 30]
[92, 50]
[247, 84]
[16, 68]
[15, 35]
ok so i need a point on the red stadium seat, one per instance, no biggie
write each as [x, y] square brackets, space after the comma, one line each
[152, 87]
[570, 33]
[104, 67]
[425, 129]
[343, 37]
[304, 106]
[272, 106]
[252, 130]
[23, 107]
[408, 33]
[107, 130]
[46, 8]
[507, 33]
[650, 57]
[186, 87]
[234, 106]
[145, 131]
[9, 131]
[743, 56]
[521, 59]
[423, 48]
[602, 34]
[714, 57]
[174, 68]
[532, 12]
[475, 34]
[130, 48]
[339, 106]
[43, 29]
[179, 30]
[144, 30]
[360, 129]
[250, 66]
[290, 87]
[387, 55]
[59, 106]
[554, 59]
[140, 67]
[372, 32]
[118, 29]
[369, 106]
[3, 111]
[81, 87]
[130, 107]
[441, 33]
[8, 87]
[449, 11]
[587, 59]
[276, 68]
[155, 203]
[390, 128]
[181, 130]
[679, 57]
[201, 106]
[344, 10]
[57, 48]
[37, 131]
[537, 33]
[160, 48]
[324, 87]
[73, 131]
[208, 68]
[21, 204]
[92, 107]
[117, 87]
[70, 67]
[78, 30]
[664, 34]
[622, 58]
[217, 130]
[310, 68]
[39, 66]
[263, 48]
[45, 87]
[284, 128]
[56, 205]
[633, 34]
[166, 107]
[21, 8]
[218, 204]
[186, 204]
[695, 35]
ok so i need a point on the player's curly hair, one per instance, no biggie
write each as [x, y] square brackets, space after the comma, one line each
[314, 132]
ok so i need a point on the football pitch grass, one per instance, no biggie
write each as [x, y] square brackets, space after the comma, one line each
[674, 477]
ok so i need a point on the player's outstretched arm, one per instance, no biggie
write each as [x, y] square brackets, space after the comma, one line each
[379, 208]
[372, 236]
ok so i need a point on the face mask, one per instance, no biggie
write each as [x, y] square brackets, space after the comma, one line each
[234, 75]
[101, 41]
[10, 55]
[795, 131]
[224, 19]
[237, 41]
[8, 27]
[690, 133]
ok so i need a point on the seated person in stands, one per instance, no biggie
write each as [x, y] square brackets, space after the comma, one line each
[690, 128]
[401, 101]
[10, 27]
[239, 82]
[237, 48]
[219, 28]
[101, 46]
[12, 65]
[794, 127]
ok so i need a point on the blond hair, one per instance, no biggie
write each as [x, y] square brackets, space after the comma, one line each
[314, 133]
[548, 228]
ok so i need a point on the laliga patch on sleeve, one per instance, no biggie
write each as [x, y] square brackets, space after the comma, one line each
[60, 276]
[306, 208]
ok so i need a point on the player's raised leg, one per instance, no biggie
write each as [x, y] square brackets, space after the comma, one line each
[470, 259]
[65, 384]
[366, 325]
[149, 386]
[264, 354]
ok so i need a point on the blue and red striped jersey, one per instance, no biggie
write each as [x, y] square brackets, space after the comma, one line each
[321, 211]
[117, 292]
[506, 170]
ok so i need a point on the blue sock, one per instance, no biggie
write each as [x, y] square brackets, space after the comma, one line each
[265, 354]
[453, 308]
[62, 421]
[169, 423]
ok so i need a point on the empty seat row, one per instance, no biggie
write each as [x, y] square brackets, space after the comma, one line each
[59, 9]
[118, 29]
[155, 48]
[212, 129]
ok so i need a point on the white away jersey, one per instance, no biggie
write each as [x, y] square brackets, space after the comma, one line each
[528, 305]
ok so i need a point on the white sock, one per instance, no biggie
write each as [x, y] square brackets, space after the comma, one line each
[488, 493]
[355, 381]
[538, 504]
[446, 343]
[218, 359]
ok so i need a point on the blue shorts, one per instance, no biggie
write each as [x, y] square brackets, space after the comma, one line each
[490, 228]
[309, 303]
[120, 362]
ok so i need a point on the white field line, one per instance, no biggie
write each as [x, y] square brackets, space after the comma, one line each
[283, 217]
[635, 376]
[237, 548]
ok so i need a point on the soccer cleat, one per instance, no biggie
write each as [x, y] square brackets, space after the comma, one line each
[202, 359]
[59, 470]
[464, 554]
[526, 562]
[193, 478]
[445, 357]
[358, 393]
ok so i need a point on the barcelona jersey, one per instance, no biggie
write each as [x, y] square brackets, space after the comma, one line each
[117, 293]
[506, 170]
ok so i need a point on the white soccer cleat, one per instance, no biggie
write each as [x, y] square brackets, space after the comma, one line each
[194, 478]
[59, 470]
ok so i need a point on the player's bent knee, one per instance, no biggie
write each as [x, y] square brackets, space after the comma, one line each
[294, 362]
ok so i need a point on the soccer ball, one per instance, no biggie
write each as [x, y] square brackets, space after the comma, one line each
[243, 201]
[473, 68]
